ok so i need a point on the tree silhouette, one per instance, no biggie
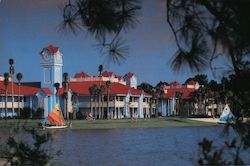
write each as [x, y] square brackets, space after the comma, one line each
[12, 71]
[6, 83]
[65, 85]
[19, 77]
[108, 85]
[105, 20]
[204, 30]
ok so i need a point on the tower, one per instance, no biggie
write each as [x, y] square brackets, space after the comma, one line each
[51, 64]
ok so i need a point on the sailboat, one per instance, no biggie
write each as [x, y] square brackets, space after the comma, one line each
[54, 120]
[227, 115]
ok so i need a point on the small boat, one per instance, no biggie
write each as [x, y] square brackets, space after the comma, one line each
[55, 127]
[54, 120]
[226, 116]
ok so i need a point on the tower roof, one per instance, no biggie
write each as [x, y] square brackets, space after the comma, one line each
[129, 74]
[52, 49]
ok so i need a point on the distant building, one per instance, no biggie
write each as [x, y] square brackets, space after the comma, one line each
[169, 103]
[130, 79]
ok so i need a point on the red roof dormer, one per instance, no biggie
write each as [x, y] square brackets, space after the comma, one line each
[192, 82]
[129, 74]
[175, 83]
[52, 49]
[107, 74]
[81, 75]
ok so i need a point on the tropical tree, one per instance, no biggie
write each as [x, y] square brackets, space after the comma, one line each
[156, 96]
[95, 90]
[146, 87]
[65, 85]
[12, 71]
[160, 84]
[101, 108]
[74, 102]
[19, 77]
[108, 84]
[6, 83]
[92, 91]
[57, 85]
[194, 97]
[100, 69]
[178, 97]
[205, 30]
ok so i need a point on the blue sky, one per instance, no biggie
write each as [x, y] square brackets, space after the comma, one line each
[29, 25]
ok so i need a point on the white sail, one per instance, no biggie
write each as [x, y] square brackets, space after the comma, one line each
[226, 115]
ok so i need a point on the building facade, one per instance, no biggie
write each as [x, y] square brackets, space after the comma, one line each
[108, 96]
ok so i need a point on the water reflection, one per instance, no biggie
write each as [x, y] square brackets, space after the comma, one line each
[142, 146]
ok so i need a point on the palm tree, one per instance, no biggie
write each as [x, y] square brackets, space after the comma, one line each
[66, 88]
[19, 77]
[101, 91]
[95, 94]
[12, 71]
[194, 99]
[100, 69]
[92, 93]
[157, 94]
[74, 100]
[65, 97]
[178, 96]
[108, 84]
[57, 85]
[6, 83]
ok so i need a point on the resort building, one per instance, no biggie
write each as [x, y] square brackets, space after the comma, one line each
[120, 100]
[174, 94]
[107, 96]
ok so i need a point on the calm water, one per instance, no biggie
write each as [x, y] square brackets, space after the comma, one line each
[142, 146]
[133, 147]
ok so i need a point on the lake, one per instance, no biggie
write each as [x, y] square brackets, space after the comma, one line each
[140, 146]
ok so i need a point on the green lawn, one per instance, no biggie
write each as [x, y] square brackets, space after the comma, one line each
[109, 124]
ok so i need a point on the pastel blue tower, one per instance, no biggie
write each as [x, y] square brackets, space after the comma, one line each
[51, 64]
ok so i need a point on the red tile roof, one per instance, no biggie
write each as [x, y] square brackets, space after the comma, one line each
[24, 89]
[129, 74]
[52, 49]
[185, 92]
[175, 83]
[82, 88]
[118, 77]
[32, 84]
[107, 74]
[81, 75]
[192, 82]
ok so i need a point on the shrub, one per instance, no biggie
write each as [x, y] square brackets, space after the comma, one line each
[79, 115]
[38, 114]
[26, 113]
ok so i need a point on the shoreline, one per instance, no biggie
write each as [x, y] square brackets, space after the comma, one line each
[160, 122]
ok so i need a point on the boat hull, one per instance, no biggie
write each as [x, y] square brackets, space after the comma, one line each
[55, 127]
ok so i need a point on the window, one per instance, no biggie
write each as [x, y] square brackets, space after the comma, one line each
[105, 98]
[121, 98]
[47, 75]
[122, 113]
[15, 99]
